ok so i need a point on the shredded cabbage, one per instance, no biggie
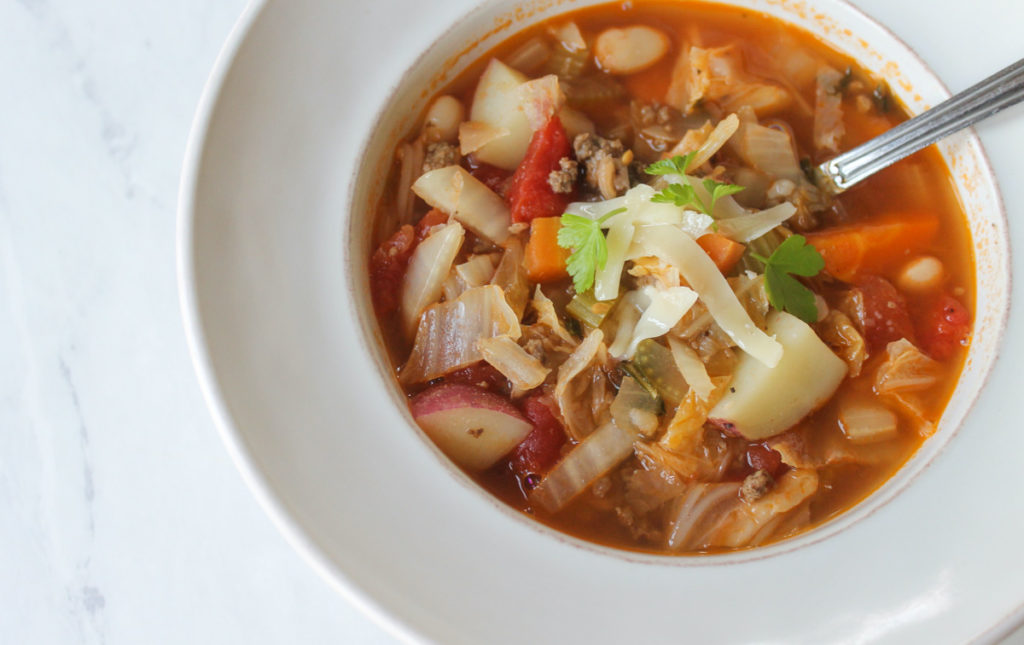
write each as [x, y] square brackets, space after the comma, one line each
[723, 130]
[602, 450]
[524, 371]
[666, 307]
[700, 272]
[446, 339]
[692, 368]
[428, 269]
[453, 190]
[581, 386]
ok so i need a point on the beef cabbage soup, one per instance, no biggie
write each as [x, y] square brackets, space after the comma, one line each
[615, 297]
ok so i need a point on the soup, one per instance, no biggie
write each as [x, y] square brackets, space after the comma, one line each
[615, 296]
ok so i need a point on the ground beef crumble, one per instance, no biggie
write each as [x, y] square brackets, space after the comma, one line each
[604, 167]
[563, 180]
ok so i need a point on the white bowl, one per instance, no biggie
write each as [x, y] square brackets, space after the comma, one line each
[286, 160]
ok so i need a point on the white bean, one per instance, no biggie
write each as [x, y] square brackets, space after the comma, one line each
[443, 118]
[921, 274]
[627, 50]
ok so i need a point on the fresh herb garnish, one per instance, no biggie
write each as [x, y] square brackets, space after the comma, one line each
[584, 237]
[676, 165]
[793, 257]
[684, 195]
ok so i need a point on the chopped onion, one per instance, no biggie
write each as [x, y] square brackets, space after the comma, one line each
[605, 448]
[505, 355]
[428, 269]
[745, 228]
[540, 99]
[446, 339]
[692, 368]
[474, 135]
[679, 249]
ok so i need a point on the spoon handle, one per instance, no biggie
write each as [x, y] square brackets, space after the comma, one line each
[1001, 90]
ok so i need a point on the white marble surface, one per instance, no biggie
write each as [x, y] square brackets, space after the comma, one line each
[123, 520]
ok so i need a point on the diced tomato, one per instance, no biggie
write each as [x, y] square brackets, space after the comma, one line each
[761, 457]
[431, 219]
[493, 177]
[481, 374]
[530, 195]
[542, 448]
[387, 268]
[943, 327]
[883, 313]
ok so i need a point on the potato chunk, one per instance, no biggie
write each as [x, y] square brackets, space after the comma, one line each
[763, 401]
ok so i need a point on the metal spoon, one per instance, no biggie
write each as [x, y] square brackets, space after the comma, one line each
[999, 91]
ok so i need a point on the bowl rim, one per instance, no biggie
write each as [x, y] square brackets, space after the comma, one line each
[278, 510]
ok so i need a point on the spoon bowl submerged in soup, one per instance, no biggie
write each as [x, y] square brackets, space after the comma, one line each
[614, 297]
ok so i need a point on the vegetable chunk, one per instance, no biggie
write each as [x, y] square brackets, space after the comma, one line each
[762, 401]
[474, 427]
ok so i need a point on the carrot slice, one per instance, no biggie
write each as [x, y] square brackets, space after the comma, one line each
[725, 253]
[853, 251]
[545, 260]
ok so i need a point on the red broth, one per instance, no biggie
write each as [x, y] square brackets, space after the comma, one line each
[639, 503]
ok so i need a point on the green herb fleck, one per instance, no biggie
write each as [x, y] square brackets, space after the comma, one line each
[881, 98]
[676, 165]
[793, 257]
[584, 237]
[845, 81]
[685, 196]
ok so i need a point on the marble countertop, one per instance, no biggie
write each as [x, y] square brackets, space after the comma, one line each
[124, 520]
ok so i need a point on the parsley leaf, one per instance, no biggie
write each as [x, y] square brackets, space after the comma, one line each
[584, 237]
[685, 196]
[718, 189]
[678, 194]
[793, 257]
[677, 165]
